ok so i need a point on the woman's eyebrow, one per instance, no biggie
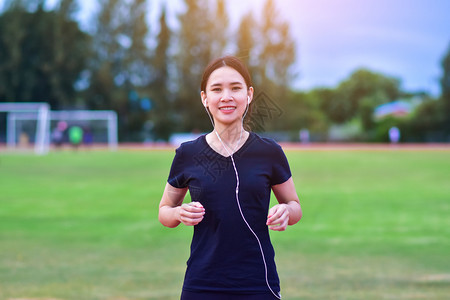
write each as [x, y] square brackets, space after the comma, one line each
[231, 83]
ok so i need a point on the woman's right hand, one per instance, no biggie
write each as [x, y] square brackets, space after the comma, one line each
[191, 214]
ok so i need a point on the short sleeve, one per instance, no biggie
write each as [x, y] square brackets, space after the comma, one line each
[280, 168]
[177, 177]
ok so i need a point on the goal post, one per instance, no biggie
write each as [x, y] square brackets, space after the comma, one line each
[41, 112]
[80, 116]
[103, 123]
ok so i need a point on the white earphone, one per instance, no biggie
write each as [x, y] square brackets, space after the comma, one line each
[230, 153]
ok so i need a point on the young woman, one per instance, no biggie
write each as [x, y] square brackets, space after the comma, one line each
[230, 174]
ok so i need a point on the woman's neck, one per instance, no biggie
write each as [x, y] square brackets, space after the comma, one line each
[229, 133]
[231, 137]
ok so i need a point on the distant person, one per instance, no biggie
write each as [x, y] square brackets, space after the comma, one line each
[75, 136]
[58, 134]
[304, 136]
[88, 138]
[230, 174]
[24, 140]
[394, 135]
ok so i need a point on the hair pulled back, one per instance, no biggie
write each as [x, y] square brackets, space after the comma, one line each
[226, 61]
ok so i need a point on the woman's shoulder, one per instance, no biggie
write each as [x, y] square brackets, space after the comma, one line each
[192, 145]
[266, 143]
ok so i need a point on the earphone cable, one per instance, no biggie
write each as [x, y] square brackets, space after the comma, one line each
[237, 195]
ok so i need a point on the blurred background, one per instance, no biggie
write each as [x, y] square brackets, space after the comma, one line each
[323, 71]
[83, 224]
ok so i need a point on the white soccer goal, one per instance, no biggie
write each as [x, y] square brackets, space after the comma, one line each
[102, 125]
[41, 113]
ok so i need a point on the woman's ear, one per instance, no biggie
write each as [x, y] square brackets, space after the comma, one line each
[250, 95]
[204, 100]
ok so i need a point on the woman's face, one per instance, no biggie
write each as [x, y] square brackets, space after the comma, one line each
[226, 95]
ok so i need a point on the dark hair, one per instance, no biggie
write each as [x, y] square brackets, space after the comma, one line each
[226, 61]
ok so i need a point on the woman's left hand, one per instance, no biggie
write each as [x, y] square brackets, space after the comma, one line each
[278, 217]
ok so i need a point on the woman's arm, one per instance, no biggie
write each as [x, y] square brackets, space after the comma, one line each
[172, 212]
[288, 211]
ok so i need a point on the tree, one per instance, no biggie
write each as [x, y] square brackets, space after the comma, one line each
[219, 34]
[67, 8]
[245, 42]
[199, 40]
[274, 54]
[42, 54]
[445, 89]
[426, 123]
[359, 95]
[305, 112]
[120, 66]
[162, 115]
[277, 50]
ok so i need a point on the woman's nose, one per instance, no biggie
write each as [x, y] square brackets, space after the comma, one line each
[226, 95]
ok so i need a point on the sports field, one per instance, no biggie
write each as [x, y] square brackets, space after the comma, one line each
[83, 225]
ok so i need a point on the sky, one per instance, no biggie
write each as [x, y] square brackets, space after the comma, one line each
[406, 39]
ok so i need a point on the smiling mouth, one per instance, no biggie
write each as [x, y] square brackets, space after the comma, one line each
[227, 108]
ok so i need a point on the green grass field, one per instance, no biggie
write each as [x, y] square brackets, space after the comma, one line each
[84, 225]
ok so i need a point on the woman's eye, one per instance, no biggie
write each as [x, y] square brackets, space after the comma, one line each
[216, 89]
[236, 88]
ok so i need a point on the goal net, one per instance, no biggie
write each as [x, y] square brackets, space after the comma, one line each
[99, 126]
[35, 132]
[26, 125]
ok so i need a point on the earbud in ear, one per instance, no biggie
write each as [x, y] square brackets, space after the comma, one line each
[205, 103]
[248, 99]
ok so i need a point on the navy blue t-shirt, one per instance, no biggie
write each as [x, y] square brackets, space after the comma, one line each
[225, 255]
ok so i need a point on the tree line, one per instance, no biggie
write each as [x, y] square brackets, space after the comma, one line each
[152, 80]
